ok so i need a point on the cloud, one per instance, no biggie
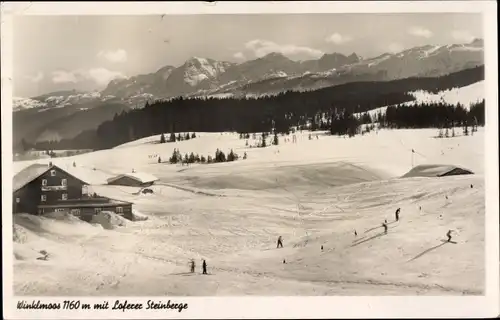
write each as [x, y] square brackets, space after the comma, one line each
[36, 78]
[118, 56]
[239, 55]
[395, 47]
[103, 76]
[263, 47]
[337, 38]
[420, 32]
[462, 35]
[61, 76]
[100, 76]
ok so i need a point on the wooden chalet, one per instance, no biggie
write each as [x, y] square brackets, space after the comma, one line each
[40, 189]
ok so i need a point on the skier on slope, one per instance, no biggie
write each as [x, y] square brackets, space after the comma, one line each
[204, 266]
[448, 234]
[385, 227]
[280, 242]
[192, 264]
[355, 233]
[397, 214]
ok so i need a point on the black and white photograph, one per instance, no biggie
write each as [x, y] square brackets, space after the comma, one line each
[249, 154]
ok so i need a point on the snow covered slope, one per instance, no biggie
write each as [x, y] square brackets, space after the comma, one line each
[313, 193]
[466, 96]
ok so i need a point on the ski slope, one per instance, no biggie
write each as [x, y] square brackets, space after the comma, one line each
[466, 96]
[313, 193]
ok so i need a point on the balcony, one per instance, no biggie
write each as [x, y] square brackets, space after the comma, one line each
[54, 188]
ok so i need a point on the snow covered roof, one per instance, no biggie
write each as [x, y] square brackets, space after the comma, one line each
[139, 176]
[32, 172]
[435, 170]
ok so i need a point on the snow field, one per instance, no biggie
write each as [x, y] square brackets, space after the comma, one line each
[315, 192]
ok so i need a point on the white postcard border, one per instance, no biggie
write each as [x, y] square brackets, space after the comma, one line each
[266, 307]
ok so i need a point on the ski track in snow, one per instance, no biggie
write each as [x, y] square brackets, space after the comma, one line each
[313, 193]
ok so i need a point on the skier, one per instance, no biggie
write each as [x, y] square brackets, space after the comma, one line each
[74, 164]
[471, 186]
[192, 265]
[204, 266]
[284, 261]
[321, 247]
[385, 227]
[420, 208]
[355, 233]
[448, 234]
[397, 214]
[385, 221]
[280, 242]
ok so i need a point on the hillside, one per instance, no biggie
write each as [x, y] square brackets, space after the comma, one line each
[313, 193]
[36, 124]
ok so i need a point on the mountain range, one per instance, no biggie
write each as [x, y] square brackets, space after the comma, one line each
[204, 77]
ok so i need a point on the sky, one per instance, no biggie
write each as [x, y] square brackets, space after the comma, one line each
[54, 53]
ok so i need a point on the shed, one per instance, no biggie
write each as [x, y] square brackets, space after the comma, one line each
[436, 170]
[133, 179]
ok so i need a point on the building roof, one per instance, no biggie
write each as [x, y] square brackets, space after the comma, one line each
[32, 172]
[435, 170]
[138, 176]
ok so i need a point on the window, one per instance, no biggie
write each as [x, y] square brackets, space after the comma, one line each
[64, 182]
[44, 198]
[119, 209]
[65, 196]
[75, 212]
[59, 210]
[97, 210]
[44, 182]
[52, 173]
[18, 200]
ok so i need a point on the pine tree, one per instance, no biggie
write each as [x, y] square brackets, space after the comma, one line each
[192, 158]
[179, 138]
[186, 158]
[202, 159]
[159, 159]
[447, 133]
[193, 135]
[209, 159]
[453, 132]
[440, 133]
[276, 140]
[187, 136]
[174, 158]
[162, 138]
[172, 137]
[231, 156]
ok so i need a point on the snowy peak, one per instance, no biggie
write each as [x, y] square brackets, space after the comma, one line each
[197, 70]
[57, 100]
